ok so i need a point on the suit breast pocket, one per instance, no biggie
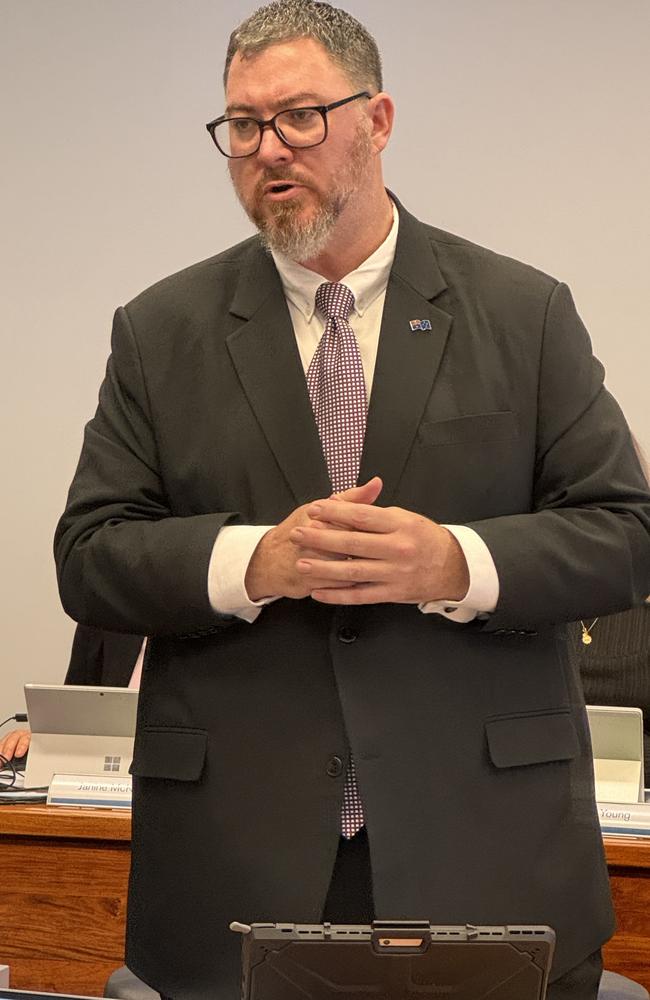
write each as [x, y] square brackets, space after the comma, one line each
[474, 429]
[469, 468]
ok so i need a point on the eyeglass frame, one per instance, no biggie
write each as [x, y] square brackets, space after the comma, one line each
[271, 123]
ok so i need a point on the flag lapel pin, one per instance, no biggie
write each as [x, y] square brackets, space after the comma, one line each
[419, 324]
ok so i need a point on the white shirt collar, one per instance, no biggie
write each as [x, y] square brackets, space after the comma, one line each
[366, 282]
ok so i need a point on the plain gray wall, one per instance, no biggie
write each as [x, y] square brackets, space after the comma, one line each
[522, 124]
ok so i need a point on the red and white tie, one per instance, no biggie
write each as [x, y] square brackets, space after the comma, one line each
[337, 391]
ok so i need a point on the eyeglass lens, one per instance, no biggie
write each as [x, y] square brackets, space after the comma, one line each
[297, 126]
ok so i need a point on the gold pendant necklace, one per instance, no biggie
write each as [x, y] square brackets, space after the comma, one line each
[586, 636]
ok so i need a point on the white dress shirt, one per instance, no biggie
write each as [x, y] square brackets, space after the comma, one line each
[235, 544]
[136, 676]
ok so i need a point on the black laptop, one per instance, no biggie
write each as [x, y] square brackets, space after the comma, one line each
[394, 960]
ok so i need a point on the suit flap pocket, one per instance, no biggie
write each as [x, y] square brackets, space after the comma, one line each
[475, 428]
[178, 754]
[531, 739]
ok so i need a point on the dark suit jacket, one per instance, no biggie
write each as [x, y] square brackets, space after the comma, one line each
[470, 741]
[102, 658]
[615, 667]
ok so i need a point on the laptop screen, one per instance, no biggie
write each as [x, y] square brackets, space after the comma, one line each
[79, 730]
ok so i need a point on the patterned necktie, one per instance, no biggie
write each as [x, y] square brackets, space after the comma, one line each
[337, 389]
[338, 397]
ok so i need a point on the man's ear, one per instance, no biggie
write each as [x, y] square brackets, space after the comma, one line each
[382, 114]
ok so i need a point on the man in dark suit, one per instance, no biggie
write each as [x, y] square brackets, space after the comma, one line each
[304, 646]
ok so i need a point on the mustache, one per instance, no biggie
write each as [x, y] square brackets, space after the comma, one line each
[278, 175]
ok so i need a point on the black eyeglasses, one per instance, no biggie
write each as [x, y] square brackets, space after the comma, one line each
[299, 128]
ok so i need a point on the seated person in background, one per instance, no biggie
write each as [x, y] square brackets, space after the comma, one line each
[105, 659]
[613, 656]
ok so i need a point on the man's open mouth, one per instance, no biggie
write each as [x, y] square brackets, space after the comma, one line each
[279, 188]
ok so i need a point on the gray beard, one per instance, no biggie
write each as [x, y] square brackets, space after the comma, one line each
[300, 241]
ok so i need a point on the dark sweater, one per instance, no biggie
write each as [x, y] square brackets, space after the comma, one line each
[615, 666]
[102, 658]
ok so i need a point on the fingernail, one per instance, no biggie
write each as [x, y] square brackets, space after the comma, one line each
[315, 510]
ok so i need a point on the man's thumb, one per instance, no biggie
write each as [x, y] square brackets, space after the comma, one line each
[367, 493]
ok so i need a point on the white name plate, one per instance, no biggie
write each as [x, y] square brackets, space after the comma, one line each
[616, 817]
[90, 790]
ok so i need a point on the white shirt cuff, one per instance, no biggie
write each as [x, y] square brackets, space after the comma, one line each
[483, 593]
[231, 554]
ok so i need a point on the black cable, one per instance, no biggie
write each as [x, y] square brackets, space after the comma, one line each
[18, 717]
[5, 762]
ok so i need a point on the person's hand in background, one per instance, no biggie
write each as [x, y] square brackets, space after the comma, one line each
[15, 743]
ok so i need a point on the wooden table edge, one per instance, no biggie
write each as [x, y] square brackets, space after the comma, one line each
[31, 820]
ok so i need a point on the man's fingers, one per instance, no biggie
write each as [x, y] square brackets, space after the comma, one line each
[308, 552]
[367, 493]
[320, 583]
[348, 572]
[324, 573]
[321, 541]
[354, 516]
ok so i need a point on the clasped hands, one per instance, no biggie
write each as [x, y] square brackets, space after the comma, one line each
[345, 550]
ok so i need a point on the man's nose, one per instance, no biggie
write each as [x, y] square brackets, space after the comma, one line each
[272, 150]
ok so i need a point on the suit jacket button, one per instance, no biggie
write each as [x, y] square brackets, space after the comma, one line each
[334, 767]
[347, 634]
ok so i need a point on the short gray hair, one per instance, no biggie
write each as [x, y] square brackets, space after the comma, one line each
[349, 44]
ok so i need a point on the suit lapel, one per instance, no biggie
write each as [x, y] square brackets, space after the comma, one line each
[264, 352]
[407, 361]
